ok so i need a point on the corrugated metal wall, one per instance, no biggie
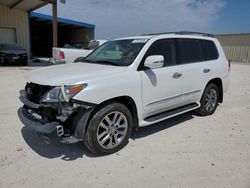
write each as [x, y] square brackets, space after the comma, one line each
[236, 47]
[18, 19]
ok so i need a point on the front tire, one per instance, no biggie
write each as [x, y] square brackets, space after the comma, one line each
[209, 100]
[109, 129]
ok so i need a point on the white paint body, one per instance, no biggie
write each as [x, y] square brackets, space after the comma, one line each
[70, 54]
[146, 87]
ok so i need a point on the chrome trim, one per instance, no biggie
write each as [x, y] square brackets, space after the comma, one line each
[192, 92]
[163, 100]
[66, 98]
[170, 98]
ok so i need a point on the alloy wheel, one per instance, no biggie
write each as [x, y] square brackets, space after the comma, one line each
[211, 100]
[112, 130]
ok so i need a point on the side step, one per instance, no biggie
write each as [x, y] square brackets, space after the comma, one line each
[172, 113]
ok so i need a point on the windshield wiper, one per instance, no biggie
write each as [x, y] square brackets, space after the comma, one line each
[88, 61]
[106, 62]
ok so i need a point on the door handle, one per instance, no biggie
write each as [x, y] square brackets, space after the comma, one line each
[177, 75]
[206, 70]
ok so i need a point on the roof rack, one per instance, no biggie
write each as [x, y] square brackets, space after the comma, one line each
[183, 33]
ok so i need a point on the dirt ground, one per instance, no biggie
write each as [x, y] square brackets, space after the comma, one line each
[185, 151]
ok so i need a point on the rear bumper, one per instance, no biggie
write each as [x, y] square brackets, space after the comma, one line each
[57, 61]
[51, 130]
[226, 83]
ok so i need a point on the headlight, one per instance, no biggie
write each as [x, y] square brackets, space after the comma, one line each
[64, 93]
[70, 91]
[52, 95]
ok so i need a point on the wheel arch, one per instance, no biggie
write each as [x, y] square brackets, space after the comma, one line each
[218, 83]
[128, 102]
[83, 117]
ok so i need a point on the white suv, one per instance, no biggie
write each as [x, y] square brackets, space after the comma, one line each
[125, 84]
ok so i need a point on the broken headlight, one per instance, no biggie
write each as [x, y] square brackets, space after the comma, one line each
[64, 93]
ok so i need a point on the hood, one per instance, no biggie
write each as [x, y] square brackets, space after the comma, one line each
[70, 74]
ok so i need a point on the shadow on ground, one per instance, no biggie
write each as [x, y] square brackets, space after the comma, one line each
[66, 152]
[54, 149]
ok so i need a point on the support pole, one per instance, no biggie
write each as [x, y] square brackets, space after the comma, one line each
[55, 29]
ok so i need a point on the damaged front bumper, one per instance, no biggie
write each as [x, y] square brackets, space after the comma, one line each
[53, 129]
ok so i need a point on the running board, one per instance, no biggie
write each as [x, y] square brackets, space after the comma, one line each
[171, 113]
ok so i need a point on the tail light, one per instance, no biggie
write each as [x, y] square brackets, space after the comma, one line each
[229, 65]
[61, 55]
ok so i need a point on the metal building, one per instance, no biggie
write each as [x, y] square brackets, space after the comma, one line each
[236, 46]
[33, 31]
[14, 21]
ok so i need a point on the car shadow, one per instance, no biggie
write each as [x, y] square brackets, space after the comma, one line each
[54, 149]
[69, 152]
[157, 127]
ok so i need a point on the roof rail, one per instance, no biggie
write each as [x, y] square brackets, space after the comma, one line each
[183, 33]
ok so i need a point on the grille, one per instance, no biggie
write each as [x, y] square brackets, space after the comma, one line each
[36, 91]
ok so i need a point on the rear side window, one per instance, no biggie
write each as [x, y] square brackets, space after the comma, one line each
[189, 51]
[209, 49]
[164, 47]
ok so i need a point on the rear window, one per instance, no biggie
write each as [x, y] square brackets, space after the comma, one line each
[209, 49]
[196, 50]
[189, 51]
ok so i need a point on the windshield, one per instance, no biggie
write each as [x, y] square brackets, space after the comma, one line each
[117, 52]
[10, 47]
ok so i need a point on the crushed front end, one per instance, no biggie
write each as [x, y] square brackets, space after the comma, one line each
[49, 111]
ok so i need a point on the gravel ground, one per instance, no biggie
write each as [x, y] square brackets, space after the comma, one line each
[185, 151]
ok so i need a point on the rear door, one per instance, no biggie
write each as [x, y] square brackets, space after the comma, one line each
[196, 65]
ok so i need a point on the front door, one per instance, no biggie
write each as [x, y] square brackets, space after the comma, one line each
[161, 88]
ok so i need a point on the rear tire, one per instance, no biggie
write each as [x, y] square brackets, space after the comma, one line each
[109, 129]
[209, 100]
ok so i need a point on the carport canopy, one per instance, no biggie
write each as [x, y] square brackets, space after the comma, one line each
[42, 18]
[70, 32]
[26, 5]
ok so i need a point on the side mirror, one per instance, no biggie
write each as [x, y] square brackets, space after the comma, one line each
[154, 61]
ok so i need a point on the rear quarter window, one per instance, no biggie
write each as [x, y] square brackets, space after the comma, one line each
[209, 50]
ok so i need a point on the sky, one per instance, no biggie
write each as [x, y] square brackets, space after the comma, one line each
[120, 18]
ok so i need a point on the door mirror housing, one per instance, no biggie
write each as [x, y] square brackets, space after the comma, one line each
[154, 61]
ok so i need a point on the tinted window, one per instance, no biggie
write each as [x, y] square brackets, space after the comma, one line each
[166, 48]
[189, 51]
[209, 50]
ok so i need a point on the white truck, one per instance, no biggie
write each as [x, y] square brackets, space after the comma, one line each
[125, 84]
[69, 55]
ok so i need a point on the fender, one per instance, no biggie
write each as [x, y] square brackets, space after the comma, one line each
[81, 122]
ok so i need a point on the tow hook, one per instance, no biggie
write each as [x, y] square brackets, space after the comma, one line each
[59, 130]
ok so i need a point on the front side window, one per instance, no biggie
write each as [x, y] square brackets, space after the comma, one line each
[117, 52]
[189, 51]
[164, 47]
